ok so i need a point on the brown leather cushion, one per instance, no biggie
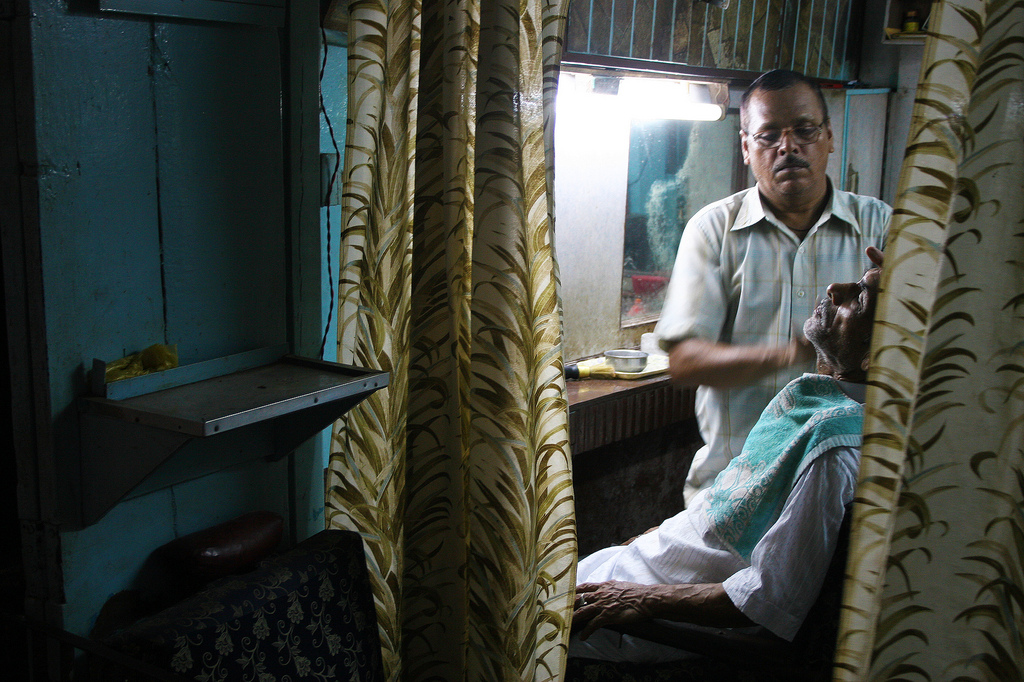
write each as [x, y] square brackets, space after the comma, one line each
[226, 548]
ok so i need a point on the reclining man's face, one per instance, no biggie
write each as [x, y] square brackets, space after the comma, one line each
[840, 328]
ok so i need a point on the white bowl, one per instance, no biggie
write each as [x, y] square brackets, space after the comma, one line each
[624, 360]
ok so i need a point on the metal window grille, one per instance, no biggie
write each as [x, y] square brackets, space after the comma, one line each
[746, 37]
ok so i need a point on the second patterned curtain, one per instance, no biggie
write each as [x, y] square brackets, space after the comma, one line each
[936, 575]
[457, 474]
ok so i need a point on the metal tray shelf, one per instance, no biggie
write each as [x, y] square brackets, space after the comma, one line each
[206, 417]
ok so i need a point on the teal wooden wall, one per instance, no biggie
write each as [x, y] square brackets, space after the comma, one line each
[168, 213]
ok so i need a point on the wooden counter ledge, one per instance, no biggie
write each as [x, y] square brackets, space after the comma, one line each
[603, 411]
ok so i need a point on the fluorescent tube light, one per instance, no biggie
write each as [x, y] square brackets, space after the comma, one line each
[663, 98]
[641, 98]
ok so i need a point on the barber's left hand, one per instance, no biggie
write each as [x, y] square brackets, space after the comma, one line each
[610, 603]
[876, 256]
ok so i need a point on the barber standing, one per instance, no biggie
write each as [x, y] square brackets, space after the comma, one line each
[749, 267]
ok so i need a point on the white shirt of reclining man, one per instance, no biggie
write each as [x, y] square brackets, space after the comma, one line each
[777, 587]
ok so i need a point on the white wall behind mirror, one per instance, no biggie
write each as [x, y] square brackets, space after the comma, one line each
[591, 147]
[858, 119]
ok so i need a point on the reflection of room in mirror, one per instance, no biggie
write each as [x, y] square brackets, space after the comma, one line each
[675, 169]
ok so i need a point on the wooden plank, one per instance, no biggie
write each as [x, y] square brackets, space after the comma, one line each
[259, 12]
[97, 203]
[220, 146]
[301, 100]
[179, 376]
[30, 529]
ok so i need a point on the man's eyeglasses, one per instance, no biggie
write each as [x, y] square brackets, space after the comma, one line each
[803, 134]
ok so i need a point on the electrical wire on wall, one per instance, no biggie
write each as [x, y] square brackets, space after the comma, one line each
[330, 191]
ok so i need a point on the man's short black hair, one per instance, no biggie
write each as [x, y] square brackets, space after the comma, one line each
[780, 79]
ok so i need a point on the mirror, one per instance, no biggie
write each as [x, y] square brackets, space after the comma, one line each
[675, 168]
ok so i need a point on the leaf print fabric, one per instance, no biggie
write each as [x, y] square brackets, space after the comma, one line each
[458, 474]
[935, 575]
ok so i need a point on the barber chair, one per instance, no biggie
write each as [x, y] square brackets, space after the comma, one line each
[737, 654]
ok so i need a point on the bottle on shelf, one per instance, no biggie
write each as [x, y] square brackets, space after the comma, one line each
[910, 22]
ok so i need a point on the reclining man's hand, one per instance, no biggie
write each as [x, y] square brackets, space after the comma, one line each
[611, 603]
[616, 602]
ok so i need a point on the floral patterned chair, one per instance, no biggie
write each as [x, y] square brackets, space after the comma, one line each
[307, 614]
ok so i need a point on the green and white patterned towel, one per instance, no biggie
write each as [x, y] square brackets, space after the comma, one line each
[809, 416]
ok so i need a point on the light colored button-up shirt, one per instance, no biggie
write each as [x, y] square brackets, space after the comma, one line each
[742, 277]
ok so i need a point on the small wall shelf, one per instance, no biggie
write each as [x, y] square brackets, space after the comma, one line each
[895, 14]
[165, 428]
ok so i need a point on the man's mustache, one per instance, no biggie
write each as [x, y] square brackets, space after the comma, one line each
[791, 162]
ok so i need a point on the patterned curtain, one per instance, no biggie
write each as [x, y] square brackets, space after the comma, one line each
[935, 587]
[457, 475]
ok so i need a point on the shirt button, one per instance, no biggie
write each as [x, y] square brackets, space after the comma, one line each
[800, 293]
